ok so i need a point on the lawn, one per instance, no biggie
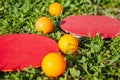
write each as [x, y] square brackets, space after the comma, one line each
[96, 58]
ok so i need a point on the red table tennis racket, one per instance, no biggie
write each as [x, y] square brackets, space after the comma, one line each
[91, 25]
[18, 51]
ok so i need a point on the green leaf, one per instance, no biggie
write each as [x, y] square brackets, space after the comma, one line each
[115, 58]
[67, 3]
[74, 72]
[83, 59]
[26, 6]
[39, 78]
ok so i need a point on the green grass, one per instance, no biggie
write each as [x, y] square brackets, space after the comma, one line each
[96, 58]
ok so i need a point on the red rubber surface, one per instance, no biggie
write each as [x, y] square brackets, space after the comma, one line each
[90, 25]
[18, 51]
